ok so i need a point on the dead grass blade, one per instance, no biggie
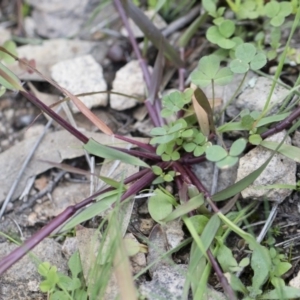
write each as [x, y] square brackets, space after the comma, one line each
[152, 33]
[79, 104]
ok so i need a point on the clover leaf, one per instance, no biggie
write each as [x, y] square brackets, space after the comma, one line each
[249, 9]
[222, 158]
[277, 11]
[175, 101]
[209, 70]
[221, 33]
[247, 58]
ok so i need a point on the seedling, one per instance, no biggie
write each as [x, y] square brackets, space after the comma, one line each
[247, 58]
[278, 11]
[59, 286]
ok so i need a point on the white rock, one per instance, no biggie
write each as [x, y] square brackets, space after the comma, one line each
[158, 22]
[295, 282]
[81, 75]
[129, 80]
[255, 95]
[280, 170]
[53, 51]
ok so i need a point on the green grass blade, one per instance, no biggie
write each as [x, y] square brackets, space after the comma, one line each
[104, 202]
[289, 151]
[99, 150]
[185, 208]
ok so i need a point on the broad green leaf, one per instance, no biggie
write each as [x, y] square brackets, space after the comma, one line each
[185, 208]
[223, 77]
[277, 21]
[289, 151]
[103, 203]
[213, 34]
[162, 139]
[200, 79]
[281, 268]
[157, 170]
[199, 222]
[245, 52]
[159, 206]
[199, 150]
[287, 293]
[226, 43]
[236, 283]
[227, 162]
[258, 61]
[272, 8]
[238, 66]
[261, 265]
[226, 259]
[227, 28]
[158, 131]
[44, 268]
[286, 8]
[238, 147]
[168, 178]
[175, 156]
[209, 65]
[60, 295]
[74, 264]
[67, 283]
[46, 286]
[255, 139]
[189, 147]
[97, 149]
[209, 6]
[215, 153]
[187, 133]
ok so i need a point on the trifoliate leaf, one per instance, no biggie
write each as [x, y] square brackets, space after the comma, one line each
[238, 147]
[215, 153]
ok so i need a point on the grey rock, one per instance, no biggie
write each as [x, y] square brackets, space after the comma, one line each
[204, 172]
[167, 283]
[255, 95]
[53, 51]
[81, 75]
[129, 80]
[280, 170]
[61, 18]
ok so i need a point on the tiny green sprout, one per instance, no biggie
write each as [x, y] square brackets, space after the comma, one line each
[247, 58]
[221, 33]
[278, 11]
[209, 71]
[59, 285]
[162, 176]
[255, 139]
[250, 9]
[211, 7]
[175, 101]
[224, 159]
[51, 277]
